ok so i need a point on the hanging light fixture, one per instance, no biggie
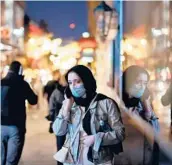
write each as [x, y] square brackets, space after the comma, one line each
[106, 21]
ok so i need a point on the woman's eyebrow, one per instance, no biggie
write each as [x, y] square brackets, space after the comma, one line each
[74, 80]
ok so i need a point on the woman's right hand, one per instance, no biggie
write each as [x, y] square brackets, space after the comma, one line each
[67, 103]
[148, 108]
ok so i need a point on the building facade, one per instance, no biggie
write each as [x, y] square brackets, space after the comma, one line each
[146, 34]
[142, 37]
[107, 58]
[12, 30]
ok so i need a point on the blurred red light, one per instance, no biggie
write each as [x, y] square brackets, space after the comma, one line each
[72, 25]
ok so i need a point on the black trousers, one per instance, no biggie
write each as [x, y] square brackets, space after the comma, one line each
[59, 142]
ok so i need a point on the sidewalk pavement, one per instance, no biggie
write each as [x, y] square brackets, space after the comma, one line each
[40, 145]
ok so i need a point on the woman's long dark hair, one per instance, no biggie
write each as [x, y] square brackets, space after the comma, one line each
[128, 78]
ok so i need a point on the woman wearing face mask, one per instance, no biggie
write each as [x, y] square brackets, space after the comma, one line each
[92, 119]
[136, 98]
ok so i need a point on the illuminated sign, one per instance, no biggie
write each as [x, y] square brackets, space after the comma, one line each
[87, 43]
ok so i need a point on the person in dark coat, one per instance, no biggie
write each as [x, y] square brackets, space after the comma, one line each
[51, 85]
[55, 104]
[55, 96]
[14, 91]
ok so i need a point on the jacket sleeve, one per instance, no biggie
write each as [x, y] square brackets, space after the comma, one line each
[166, 99]
[30, 95]
[55, 104]
[117, 134]
[60, 124]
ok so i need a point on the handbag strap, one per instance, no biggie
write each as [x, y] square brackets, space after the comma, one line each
[78, 128]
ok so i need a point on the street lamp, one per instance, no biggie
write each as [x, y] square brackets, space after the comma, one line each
[106, 21]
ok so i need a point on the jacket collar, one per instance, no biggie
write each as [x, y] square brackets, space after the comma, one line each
[92, 106]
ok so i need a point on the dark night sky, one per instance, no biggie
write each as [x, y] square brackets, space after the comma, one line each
[59, 15]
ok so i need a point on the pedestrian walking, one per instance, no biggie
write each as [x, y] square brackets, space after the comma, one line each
[51, 85]
[55, 104]
[14, 92]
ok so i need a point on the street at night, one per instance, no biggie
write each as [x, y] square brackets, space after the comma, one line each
[96, 73]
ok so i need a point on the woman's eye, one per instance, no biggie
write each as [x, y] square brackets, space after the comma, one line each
[78, 82]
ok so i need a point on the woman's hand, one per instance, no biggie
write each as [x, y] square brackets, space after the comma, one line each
[133, 110]
[67, 103]
[148, 108]
[88, 140]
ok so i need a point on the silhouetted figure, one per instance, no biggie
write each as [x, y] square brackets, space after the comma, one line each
[14, 92]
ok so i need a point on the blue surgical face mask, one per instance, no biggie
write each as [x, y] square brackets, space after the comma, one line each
[78, 91]
[135, 92]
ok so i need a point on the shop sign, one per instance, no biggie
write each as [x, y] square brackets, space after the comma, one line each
[87, 43]
[34, 30]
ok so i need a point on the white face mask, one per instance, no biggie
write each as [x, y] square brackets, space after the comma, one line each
[20, 70]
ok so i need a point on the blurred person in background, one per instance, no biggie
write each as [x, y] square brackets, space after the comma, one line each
[91, 122]
[167, 97]
[51, 85]
[37, 88]
[55, 102]
[14, 92]
[136, 98]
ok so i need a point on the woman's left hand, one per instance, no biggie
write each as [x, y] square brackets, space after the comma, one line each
[88, 140]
